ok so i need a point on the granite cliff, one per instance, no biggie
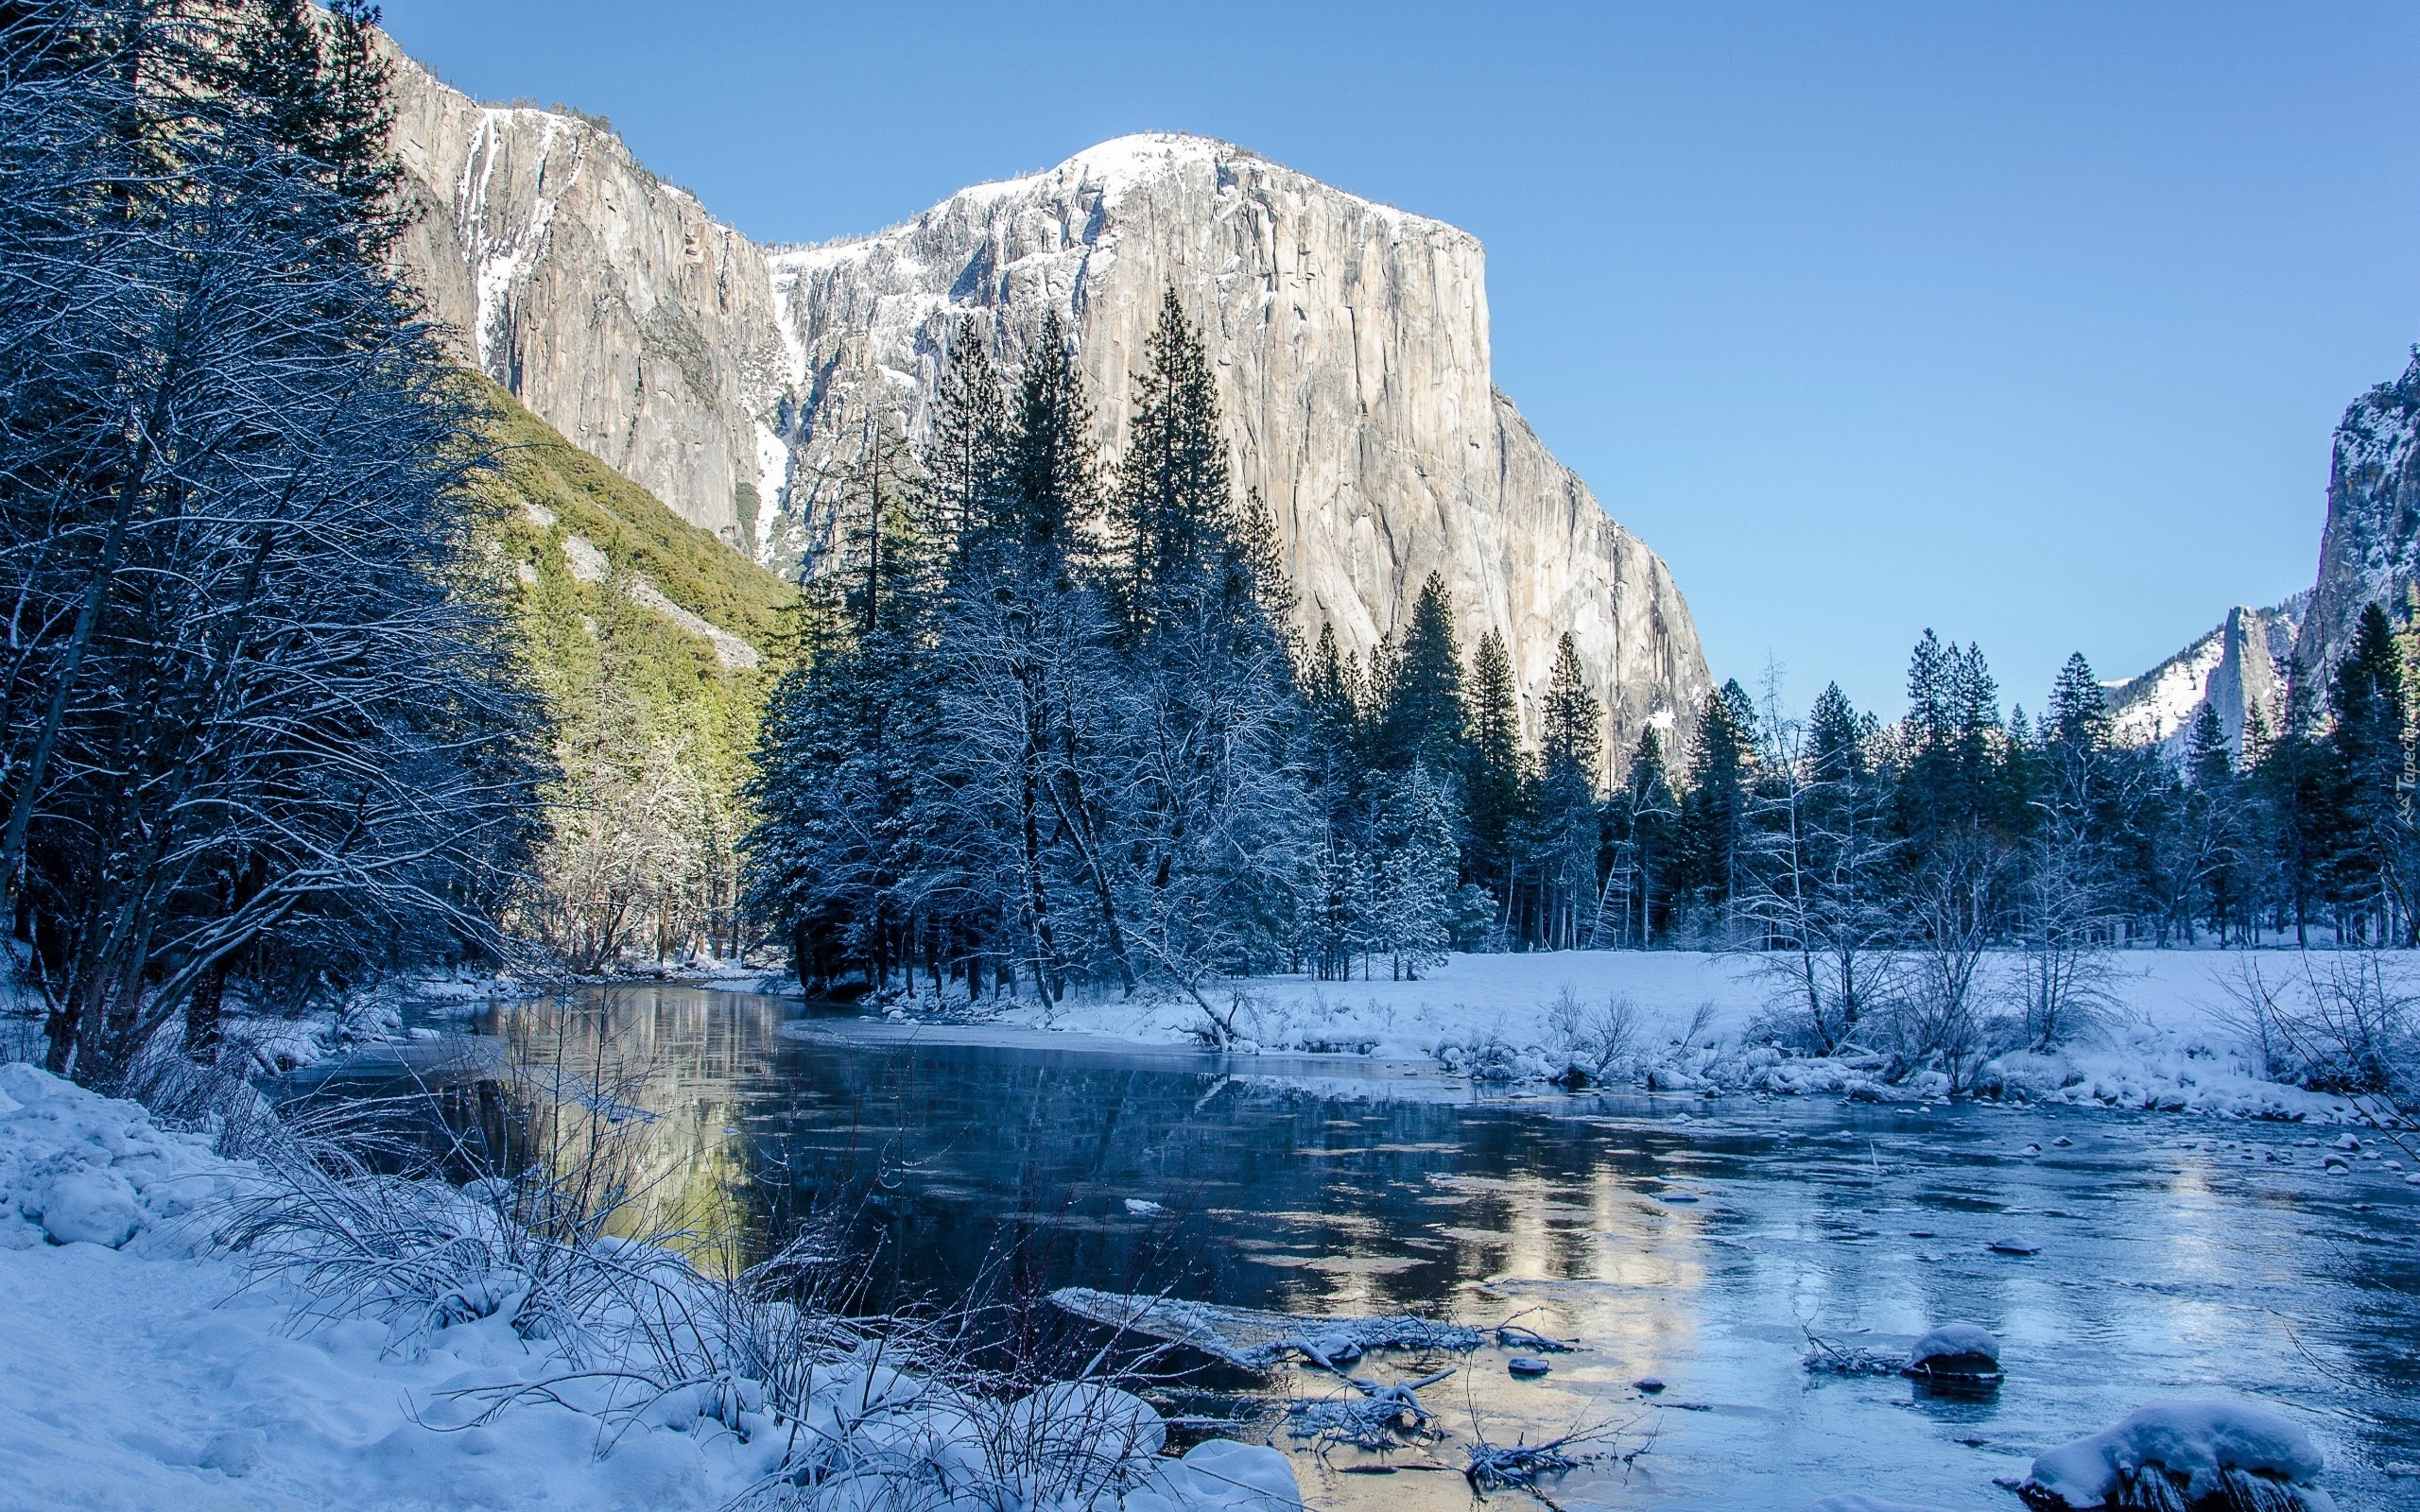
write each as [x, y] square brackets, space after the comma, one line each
[1351, 342]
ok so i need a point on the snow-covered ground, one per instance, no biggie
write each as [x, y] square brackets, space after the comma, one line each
[2169, 1036]
[141, 1369]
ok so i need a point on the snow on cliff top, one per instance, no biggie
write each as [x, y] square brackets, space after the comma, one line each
[1114, 168]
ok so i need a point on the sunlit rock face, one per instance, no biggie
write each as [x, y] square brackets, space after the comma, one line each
[1351, 342]
[2370, 553]
[607, 300]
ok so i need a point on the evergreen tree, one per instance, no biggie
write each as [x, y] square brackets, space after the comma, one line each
[966, 452]
[1568, 836]
[1422, 720]
[1642, 820]
[2078, 714]
[1171, 512]
[1714, 812]
[1497, 777]
[1835, 737]
[2368, 744]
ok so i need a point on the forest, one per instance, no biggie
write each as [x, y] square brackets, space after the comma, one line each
[1049, 726]
[305, 682]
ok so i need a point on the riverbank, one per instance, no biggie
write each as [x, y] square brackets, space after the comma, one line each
[143, 1364]
[2169, 1032]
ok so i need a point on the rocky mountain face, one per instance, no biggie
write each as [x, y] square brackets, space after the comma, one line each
[2370, 553]
[1351, 341]
[2240, 667]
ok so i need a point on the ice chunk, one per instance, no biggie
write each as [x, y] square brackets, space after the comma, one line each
[1142, 1207]
[89, 1206]
[2195, 1439]
[1256, 1339]
[1956, 1348]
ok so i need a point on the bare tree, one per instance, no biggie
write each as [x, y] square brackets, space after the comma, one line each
[1819, 894]
[1944, 1015]
[256, 702]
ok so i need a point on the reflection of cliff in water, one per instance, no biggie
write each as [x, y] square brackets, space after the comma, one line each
[646, 1083]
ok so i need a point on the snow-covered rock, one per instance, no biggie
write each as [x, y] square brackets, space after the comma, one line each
[2195, 1440]
[87, 1206]
[1955, 1348]
[1221, 1475]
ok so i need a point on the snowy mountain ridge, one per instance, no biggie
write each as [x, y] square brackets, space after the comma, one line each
[1351, 343]
[2240, 666]
[2369, 554]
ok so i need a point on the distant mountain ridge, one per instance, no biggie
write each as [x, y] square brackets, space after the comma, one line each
[2240, 667]
[2369, 554]
[1350, 339]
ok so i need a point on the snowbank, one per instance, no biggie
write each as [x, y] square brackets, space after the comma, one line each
[1695, 1021]
[2195, 1441]
[140, 1367]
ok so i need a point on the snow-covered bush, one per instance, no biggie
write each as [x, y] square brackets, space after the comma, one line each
[1594, 1043]
[2342, 1022]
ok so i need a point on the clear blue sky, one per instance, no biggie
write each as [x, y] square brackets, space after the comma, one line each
[2025, 322]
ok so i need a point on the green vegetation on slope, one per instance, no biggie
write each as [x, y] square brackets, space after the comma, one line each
[655, 731]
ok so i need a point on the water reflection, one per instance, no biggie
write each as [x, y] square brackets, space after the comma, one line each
[1700, 1250]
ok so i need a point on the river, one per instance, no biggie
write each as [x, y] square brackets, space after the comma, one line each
[1697, 1242]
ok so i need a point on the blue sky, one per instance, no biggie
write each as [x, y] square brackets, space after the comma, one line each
[2029, 323]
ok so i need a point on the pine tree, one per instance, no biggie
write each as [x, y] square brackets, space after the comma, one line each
[1172, 509]
[320, 89]
[2369, 746]
[1567, 834]
[2208, 765]
[965, 452]
[1497, 775]
[1714, 815]
[1048, 485]
[2078, 714]
[1643, 816]
[1422, 720]
[1835, 737]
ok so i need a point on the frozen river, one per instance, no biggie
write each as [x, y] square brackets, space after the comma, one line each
[1698, 1242]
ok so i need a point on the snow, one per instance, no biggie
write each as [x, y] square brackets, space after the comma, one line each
[2158, 704]
[162, 1373]
[1698, 1024]
[2196, 1439]
[1952, 1340]
[1856, 1502]
[501, 256]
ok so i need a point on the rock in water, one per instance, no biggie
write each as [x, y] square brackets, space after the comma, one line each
[1527, 1364]
[2192, 1454]
[1955, 1350]
[1350, 340]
